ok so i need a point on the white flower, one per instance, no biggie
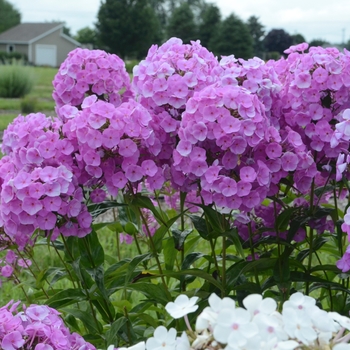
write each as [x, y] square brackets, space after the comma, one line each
[342, 320]
[181, 306]
[139, 346]
[182, 343]
[341, 346]
[298, 325]
[234, 327]
[270, 327]
[162, 339]
[208, 317]
[300, 302]
[255, 304]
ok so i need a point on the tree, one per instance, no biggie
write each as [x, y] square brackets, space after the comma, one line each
[86, 35]
[9, 16]
[257, 32]
[298, 39]
[181, 23]
[318, 42]
[127, 27]
[209, 25]
[233, 37]
[277, 40]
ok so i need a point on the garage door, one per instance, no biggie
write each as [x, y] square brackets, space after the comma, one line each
[45, 55]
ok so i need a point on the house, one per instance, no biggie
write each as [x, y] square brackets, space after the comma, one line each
[45, 44]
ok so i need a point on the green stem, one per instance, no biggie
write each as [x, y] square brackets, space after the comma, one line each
[31, 271]
[116, 235]
[223, 275]
[311, 236]
[153, 247]
[65, 265]
[252, 252]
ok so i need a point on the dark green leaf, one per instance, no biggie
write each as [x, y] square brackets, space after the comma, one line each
[112, 333]
[180, 237]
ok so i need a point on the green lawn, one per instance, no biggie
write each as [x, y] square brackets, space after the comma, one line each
[41, 93]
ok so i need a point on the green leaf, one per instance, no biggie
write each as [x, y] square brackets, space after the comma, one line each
[112, 333]
[190, 259]
[161, 231]
[201, 226]
[218, 221]
[180, 237]
[154, 292]
[66, 297]
[169, 253]
[100, 208]
[94, 326]
[144, 202]
[136, 261]
[91, 251]
[283, 218]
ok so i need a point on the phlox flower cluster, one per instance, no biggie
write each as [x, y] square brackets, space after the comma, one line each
[254, 75]
[313, 104]
[39, 182]
[221, 150]
[259, 325]
[166, 79]
[91, 72]
[37, 327]
[114, 145]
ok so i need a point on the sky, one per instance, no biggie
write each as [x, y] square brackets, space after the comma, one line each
[314, 19]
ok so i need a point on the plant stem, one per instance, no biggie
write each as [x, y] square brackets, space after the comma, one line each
[153, 247]
[252, 252]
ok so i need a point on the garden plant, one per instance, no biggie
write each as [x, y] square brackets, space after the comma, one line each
[225, 183]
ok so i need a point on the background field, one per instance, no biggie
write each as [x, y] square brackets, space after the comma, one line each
[42, 93]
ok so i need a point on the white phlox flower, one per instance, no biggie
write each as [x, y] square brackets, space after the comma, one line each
[341, 346]
[300, 302]
[182, 343]
[270, 327]
[234, 327]
[183, 305]
[342, 320]
[207, 319]
[162, 339]
[298, 325]
[139, 346]
[255, 304]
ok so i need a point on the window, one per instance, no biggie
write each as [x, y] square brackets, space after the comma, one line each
[10, 48]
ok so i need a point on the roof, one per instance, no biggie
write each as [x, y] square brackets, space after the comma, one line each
[29, 32]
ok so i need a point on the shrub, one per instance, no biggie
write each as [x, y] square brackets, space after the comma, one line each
[6, 57]
[129, 65]
[29, 105]
[15, 81]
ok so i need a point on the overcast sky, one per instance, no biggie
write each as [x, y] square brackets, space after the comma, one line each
[321, 19]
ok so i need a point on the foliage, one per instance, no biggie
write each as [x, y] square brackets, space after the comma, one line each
[127, 27]
[277, 40]
[257, 32]
[29, 105]
[233, 37]
[318, 42]
[15, 81]
[209, 25]
[9, 16]
[86, 35]
[181, 23]
[297, 39]
[9, 57]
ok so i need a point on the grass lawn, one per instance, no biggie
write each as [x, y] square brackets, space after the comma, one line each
[41, 93]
